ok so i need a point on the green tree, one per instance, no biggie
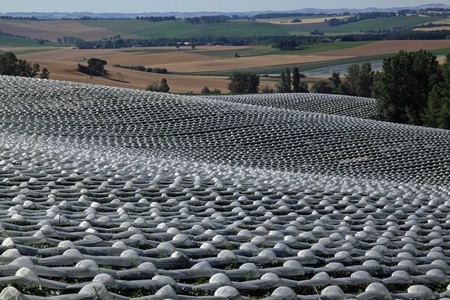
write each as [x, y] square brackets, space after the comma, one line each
[45, 74]
[206, 90]
[296, 81]
[288, 82]
[162, 87]
[267, 90]
[253, 84]
[403, 88]
[119, 43]
[322, 87]
[297, 85]
[282, 85]
[358, 81]
[335, 80]
[11, 65]
[437, 112]
[243, 83]
[280, 88]
[97, 65]
[8, 63]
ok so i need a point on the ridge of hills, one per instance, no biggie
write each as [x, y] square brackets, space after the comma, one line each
[60, 15]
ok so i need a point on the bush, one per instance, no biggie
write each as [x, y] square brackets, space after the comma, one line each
[95, 67]
[11, 65]
[86, 70]
[243, 83]
[162, 87]
[267, 90]
[403, 88]
[206, 90]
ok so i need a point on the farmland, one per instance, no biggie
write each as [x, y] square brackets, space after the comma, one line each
[128, 28]
[127, 194]
[187, 67]
[109, 191]
[192, 69]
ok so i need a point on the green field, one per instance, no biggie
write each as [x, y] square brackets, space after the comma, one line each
[180, 29]
[441, 51]
[260, 51]
[384, 24]
[7, 40]
[122, 27]
[302, 67]
[19, 52]
[308, 17]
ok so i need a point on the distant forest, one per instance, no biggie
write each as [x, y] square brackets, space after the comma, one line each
[279, 42]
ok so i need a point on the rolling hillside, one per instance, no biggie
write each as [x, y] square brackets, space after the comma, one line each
[119, 193]
[128, 28]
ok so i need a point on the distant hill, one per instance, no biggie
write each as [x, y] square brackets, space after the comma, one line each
[61, 15]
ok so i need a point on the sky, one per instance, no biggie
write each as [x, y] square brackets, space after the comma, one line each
[137, 6]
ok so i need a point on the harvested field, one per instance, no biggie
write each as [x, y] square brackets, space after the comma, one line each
[214, 64]
[135, 79]
[111, 193]
[161, 60]
[62, 63]
[69, 54]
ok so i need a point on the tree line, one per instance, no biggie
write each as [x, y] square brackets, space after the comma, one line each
[279, 42]
[32, 18]
[431, 12]
[118, 42]
[156, 19]
[287, 15]
[13, 66]
[143, 69]
[360, 17]
[413, 88]
[208, 19]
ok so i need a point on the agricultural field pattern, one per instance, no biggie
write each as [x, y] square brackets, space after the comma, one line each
[115, 193]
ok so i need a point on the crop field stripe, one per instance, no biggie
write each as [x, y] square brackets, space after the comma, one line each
[262, 51]
[123, 27]
[302, 66]
[180, 29]
[386, 23]
[19, 52]
[18, 41]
